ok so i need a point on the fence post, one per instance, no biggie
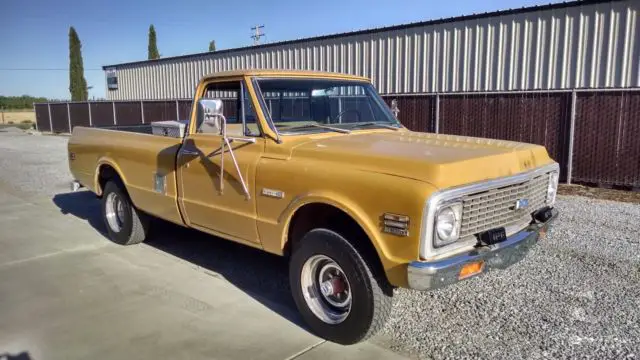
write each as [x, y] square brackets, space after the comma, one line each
[177, 111]
[113, 107]
[34, 115]
[50, 122]
[437, 113]
[142, 110]
[69, 117]
[90, 120]
[572, 128]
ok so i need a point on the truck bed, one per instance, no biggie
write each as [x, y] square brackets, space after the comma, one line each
[146, 162]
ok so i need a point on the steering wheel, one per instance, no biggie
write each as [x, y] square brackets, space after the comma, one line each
[333, 121]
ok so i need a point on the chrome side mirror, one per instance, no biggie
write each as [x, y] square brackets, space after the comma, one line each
[210, 116]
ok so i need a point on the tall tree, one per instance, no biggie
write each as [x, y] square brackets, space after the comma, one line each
[77, 82]
[153, 47]
[212, 45]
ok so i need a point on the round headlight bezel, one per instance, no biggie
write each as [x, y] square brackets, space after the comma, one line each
[445, 214]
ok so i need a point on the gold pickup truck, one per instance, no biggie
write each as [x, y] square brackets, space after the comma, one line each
[314, 167]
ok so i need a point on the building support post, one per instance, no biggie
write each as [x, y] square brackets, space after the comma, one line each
[437, 113]
[177, 111]
[572, 129]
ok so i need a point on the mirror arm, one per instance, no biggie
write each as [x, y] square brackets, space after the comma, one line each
[225, 141]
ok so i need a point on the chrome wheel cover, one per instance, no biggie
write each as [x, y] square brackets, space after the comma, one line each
[326, 289]
[114, 212]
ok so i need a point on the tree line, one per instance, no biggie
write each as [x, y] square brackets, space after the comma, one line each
[19, 102]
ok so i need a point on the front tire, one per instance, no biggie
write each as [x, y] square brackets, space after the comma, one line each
[125, 224]
[335, 290]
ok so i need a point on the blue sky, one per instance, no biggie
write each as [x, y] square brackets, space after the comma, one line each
[35, 33]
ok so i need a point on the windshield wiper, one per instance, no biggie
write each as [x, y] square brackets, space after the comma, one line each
[344, 131]
[373, 123]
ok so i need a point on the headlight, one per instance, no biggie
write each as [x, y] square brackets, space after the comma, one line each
[553, 188]
[447, 224]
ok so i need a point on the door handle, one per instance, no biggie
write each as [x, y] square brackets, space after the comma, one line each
[189, 152]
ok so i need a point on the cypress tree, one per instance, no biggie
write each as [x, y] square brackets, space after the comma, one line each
[77, 82]
[212, 45]
[153, 47]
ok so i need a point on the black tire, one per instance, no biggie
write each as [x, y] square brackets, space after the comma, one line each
[134, 225]
[371, 295]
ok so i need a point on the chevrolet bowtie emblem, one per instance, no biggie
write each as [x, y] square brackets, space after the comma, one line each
[521, 204]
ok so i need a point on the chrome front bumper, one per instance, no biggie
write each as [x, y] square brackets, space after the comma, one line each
[428, 275]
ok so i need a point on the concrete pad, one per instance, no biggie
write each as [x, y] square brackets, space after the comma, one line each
[364, 351]
[68, 293]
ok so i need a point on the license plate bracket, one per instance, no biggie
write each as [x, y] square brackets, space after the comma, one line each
[492, 236]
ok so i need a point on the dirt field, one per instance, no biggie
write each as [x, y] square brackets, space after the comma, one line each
[17, 116]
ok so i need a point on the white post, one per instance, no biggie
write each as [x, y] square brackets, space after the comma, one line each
[50, 122]
[142, 110]
[69, 117]
[90, 121]
[177, 111]
[437, 113]
[113, 106]
[35, 116]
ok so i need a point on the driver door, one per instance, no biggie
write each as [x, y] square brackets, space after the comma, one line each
[213, 197]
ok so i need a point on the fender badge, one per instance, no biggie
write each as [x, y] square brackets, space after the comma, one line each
[273, 193]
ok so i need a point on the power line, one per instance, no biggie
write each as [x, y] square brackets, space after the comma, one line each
[42, 69]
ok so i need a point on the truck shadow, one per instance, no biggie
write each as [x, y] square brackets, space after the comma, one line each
[260, 275]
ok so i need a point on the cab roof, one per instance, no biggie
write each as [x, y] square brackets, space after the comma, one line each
[283, 73]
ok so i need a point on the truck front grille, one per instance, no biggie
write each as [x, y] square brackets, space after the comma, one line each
[497, 207]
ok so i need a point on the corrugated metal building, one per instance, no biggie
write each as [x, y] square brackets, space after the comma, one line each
[565, 76]
[580, 44]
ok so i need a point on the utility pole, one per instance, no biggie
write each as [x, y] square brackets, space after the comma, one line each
[257, 34]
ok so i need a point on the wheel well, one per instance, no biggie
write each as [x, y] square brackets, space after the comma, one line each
[106, 173]
[317, 215]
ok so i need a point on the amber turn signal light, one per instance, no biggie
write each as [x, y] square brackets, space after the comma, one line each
[470, 269]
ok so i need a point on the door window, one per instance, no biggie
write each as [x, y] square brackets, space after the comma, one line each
[241, 120]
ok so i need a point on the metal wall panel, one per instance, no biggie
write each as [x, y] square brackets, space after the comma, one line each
[128, 113]
[536, 118]
[417, 112]
[59, 118]
[595, 45]
[159, 111]
[101, 114]
[42, 117]
[79, 113]
[606, 146]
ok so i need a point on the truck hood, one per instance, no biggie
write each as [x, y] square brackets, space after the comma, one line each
[441, 160]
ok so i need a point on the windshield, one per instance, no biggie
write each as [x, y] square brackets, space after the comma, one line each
[320, 105]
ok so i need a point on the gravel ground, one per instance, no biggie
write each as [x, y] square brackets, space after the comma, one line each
[577, 295]
[32, 164]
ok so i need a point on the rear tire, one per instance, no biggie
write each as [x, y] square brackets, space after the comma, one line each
[125, 224]
[320, 298]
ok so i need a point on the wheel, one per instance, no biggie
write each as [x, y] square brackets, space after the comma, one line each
[125, 224]
[335, 290]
